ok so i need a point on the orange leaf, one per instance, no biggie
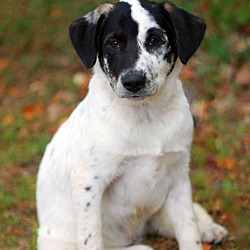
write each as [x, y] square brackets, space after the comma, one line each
[16, 91]
[226, 163]
[187, 72]
[33, 111]
[4, 63]
[206, 246]
[243, 76]
[17, 232]
[8, 120]
[55, 13]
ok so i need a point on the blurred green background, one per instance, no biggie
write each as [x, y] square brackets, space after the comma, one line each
[42, 80]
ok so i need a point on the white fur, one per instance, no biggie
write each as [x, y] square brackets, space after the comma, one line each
[118, 169]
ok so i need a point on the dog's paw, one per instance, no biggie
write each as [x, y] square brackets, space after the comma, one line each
[214, 233]
[210, 231]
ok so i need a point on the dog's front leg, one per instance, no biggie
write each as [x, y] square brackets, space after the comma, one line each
[87, 190]
[180, 210]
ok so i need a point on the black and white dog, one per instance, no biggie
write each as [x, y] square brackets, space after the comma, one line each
[117, 169]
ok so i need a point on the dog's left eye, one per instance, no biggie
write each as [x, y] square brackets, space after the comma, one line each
[152, 41]
[115, 44]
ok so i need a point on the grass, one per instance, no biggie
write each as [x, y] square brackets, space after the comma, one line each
[37, 93]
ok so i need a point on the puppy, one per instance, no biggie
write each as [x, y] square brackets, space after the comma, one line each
[117, 169]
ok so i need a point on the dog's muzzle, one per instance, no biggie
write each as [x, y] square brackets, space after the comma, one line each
[133, 82]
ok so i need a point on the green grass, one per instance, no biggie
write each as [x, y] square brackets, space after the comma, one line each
[40, 64]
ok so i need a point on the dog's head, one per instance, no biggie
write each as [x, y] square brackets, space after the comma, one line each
[137, 43]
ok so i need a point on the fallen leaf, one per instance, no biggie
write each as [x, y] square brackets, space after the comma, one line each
[8, 120]
[4, 63]
[17, 231]
[217, 205]
[234, 175]
[226, 163]
[32, 111]
[243, 76]
[206, 246]
[187, 73]
[16, 92]
[56, 12]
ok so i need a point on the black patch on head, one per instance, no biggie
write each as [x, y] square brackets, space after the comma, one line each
[83, 37]
[155, 40]
[184, 30]
[119, 28]
[187, 30]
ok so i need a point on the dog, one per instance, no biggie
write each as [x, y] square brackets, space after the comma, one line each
[117, 169]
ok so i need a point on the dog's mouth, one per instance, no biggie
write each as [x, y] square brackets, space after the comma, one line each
[137, 96]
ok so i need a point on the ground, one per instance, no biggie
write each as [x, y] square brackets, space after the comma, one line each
[42, 80]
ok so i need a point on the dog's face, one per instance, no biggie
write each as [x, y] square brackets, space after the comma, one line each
[137, 43]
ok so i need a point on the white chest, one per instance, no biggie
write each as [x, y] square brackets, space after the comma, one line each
[135, 196]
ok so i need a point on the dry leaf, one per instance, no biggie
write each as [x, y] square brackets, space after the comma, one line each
[226, 163]
[17, 231]
[8, 120]
[4, 63]
[206, 246]
[187, 73]
[243, 76]
[16, 92]
[33, 111]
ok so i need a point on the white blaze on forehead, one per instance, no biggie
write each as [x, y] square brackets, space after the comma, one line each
[142, 17]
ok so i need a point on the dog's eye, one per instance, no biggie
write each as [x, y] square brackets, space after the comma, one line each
[115, 44]
[153, 41]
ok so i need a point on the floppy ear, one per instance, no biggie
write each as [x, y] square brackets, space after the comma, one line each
[189, 31]
[84, 34]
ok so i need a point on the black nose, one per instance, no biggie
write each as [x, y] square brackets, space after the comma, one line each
[133, 82]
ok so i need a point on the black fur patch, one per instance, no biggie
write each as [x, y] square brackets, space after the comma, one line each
[118, 26]
[184, 31]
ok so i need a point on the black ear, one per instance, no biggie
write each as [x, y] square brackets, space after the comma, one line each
[84, 34]
[189, 31]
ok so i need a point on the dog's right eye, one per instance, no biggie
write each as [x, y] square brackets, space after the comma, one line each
[115, 44]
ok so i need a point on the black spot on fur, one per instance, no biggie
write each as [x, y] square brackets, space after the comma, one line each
[88, 188]
[86, 241]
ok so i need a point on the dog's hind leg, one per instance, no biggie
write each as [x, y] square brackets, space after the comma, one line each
[210, 231]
